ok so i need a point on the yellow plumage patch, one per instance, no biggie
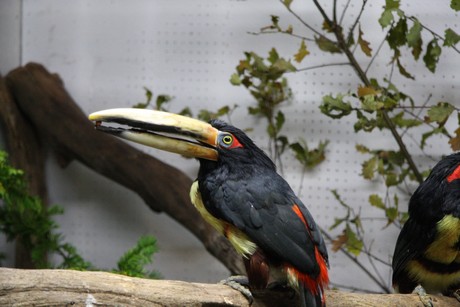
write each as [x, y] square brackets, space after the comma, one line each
[237, 238]
[443, 249]
[432, 281]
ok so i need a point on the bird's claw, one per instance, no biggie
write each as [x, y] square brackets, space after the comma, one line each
[424, 298]
[240, 283]
[456, 294]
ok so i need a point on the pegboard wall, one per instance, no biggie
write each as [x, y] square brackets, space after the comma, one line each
[106, 51]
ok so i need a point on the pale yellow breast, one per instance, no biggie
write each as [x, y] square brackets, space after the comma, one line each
[242, 244]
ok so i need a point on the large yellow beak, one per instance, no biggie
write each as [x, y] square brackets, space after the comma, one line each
[166, 131]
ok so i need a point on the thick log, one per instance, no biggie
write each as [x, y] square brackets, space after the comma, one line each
[59, 120]
[25, 153]
[75, 288]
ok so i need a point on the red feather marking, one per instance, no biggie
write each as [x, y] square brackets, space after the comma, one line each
[297, 211]
[313, 284]
[323, 278]
[455, 175]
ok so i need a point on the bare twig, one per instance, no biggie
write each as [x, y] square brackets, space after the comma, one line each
[355, 23]
[382, 286]
[375, 54]
[343, 12]
[303, 22]
[322, 66]
[283, 32]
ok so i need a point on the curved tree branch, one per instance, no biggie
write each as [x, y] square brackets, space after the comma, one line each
[42, 97]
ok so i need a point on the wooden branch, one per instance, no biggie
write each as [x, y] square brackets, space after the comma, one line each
[75, 288]
[43, 98]
[25, 153]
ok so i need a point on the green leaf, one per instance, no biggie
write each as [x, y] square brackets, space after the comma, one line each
[370, 103]
[397, 34]
[365, 46]
[235, 79]
[273, 56]
[354, 244]
[302, 52]
[362, 149]
[335, 107]
[279, 120]
[455, 5]
[275, 20]
[132, 263]
[403, 71]
[402, 122]
[161, 100]
[431, 57]
[337, 222]
[282, 66]
[287, 3]
[391, 214]
[440, 113]
[309, 158]
[413, 35]
[369, 167]
[414, 39]
[391, 179]
[451, 38]
[425, 136]
[387, 15]
[392, 4]
[386, 18]
[327, 45]
[148, 94]
[376, 201]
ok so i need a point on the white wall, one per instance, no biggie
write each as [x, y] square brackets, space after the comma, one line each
[106, 51]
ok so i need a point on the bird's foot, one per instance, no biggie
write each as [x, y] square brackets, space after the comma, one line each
[423, 296]
[456, 294]
[240, 283]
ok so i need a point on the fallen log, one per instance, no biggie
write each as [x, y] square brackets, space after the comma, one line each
[76, 288]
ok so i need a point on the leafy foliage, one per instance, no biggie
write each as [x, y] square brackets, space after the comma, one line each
[376, 104]
[133, 262]
[26, 217]
[264, 78]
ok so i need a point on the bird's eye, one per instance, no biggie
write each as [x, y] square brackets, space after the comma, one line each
[226, 140]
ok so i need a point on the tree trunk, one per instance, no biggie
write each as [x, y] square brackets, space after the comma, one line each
[25, 153]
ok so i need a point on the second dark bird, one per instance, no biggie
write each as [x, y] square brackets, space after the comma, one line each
[427, 251]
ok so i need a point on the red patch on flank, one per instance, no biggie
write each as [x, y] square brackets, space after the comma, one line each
[314, 285]
[455, 175]
[297, 211]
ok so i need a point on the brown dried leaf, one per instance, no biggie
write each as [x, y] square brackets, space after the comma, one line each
[365, 46]
[339, 242]
[455, 141]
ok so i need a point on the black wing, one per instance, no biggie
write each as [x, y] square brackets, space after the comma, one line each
[263, 208]
[412, 242]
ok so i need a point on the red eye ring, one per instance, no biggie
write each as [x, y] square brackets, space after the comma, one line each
[227, 140]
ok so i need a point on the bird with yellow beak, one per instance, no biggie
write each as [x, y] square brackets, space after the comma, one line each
[238, 192]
